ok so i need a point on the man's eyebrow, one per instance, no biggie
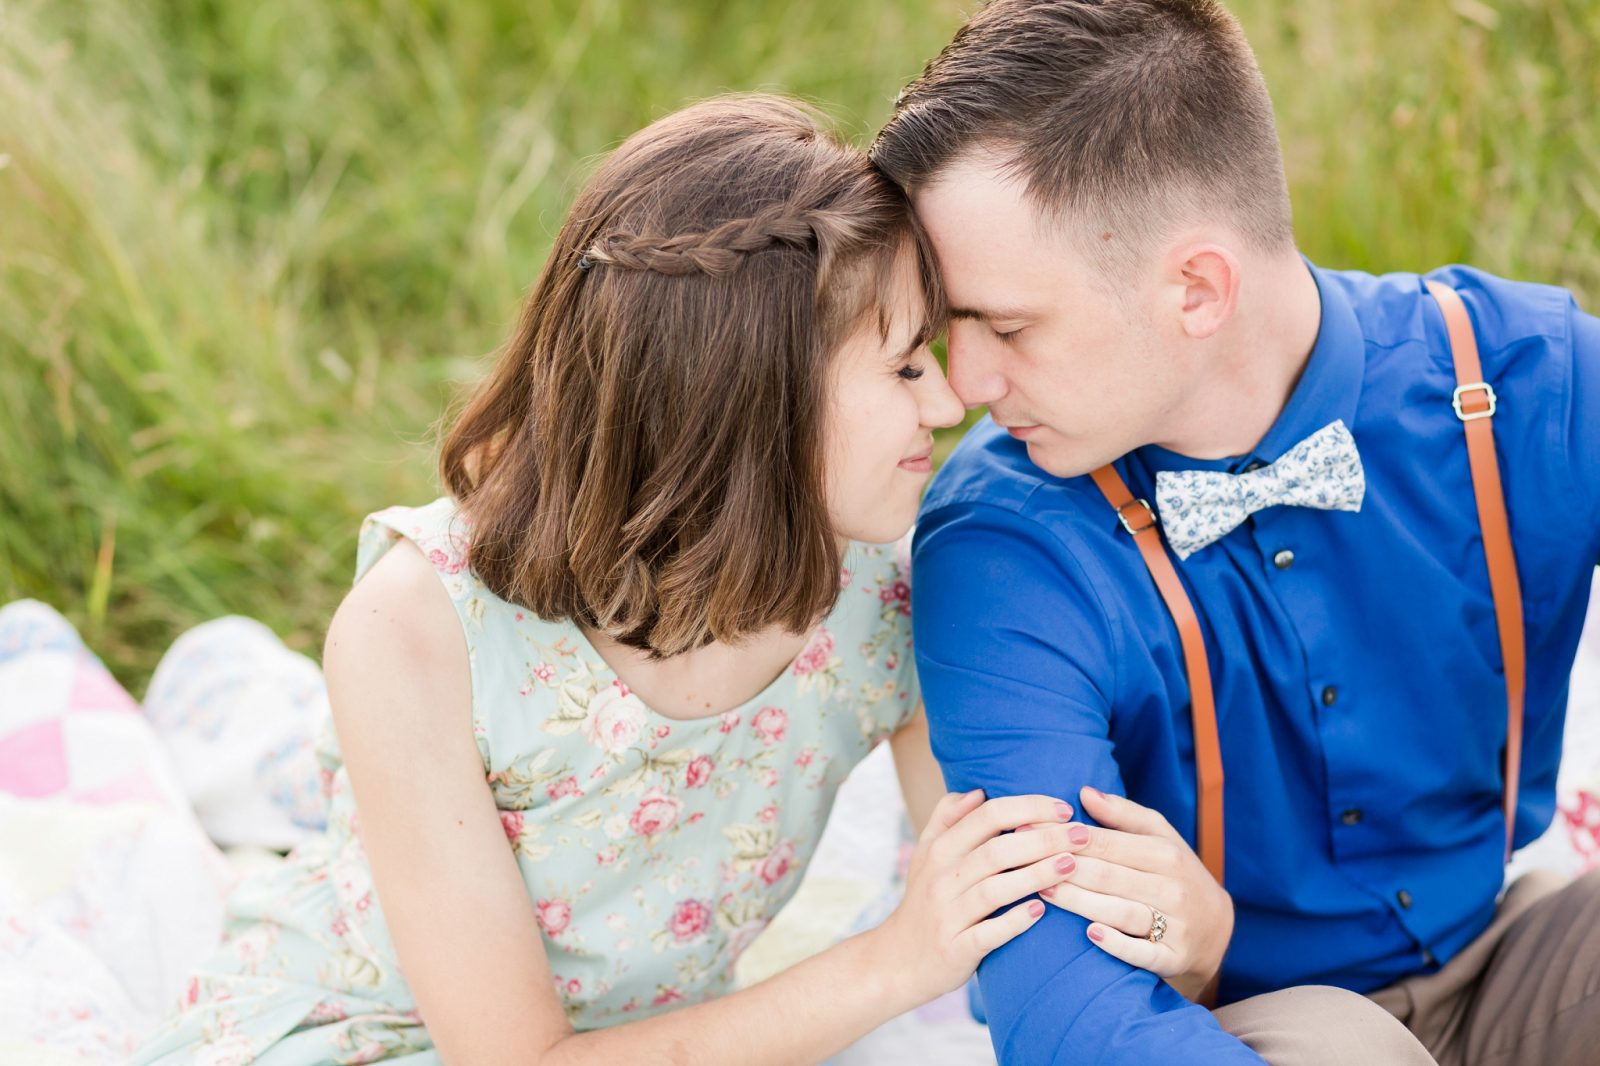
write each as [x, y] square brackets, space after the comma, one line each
[992, 314]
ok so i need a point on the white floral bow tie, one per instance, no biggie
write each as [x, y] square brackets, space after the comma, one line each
[1199, 507]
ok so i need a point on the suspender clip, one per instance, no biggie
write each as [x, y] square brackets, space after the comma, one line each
[1477, 386]
[1147, 520]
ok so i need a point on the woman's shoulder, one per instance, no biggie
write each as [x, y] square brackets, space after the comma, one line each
[875, 582]
[862, 652]
[395, 643]
[440, 530]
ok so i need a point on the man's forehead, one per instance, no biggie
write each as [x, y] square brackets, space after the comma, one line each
[996, 254]
[976, 186]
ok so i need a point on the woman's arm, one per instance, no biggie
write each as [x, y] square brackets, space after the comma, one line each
[452, 895]
[464, 928]
[921, 782]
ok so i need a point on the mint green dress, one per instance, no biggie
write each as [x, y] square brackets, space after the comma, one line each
[654, 849]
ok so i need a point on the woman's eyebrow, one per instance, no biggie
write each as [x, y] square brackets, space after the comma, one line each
[918, 339]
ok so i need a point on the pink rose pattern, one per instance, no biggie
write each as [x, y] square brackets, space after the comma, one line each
[777, 863]
[699, 771]
[814, 657]
[1581, 813]
[653, 850]
[554, 915]
[770, 724]
[655, 814]
[690, 921]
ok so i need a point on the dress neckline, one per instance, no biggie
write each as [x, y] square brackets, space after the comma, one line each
[608, 673]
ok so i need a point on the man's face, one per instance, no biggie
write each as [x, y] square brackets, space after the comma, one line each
[1083, 377]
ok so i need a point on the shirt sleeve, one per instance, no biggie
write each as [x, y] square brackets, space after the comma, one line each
[1583, 421]
[1018, 672]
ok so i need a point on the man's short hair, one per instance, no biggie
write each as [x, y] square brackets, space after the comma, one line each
[1124, 118]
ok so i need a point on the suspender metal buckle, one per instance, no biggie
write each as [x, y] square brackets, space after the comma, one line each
[1149, 518]
[1476, 386]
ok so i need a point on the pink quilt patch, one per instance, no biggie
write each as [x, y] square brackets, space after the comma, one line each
[33, 761]
[94, 689]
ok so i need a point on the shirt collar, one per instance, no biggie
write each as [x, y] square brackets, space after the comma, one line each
[1328, 390]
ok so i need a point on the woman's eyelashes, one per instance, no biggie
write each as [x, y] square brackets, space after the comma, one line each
[910, 372]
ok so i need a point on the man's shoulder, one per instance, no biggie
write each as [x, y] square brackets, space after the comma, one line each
[990, 468]
[1504, 311]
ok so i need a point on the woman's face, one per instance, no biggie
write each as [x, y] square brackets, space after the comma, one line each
[888, 398]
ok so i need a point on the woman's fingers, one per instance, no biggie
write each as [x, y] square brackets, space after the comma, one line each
[1112, 879]
[951, 808]
[998, 816]
[987, 935]
[1137, 851]
[1135, 951]
[1124, 915]
[1001, 889]
[1011, 851]
[1119, 812]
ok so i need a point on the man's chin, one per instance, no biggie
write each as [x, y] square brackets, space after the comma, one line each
[1052, 456]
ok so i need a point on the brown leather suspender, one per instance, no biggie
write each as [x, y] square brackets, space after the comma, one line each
[1138, 519]
[1475, 403]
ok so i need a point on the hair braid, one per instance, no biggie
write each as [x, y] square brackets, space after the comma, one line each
[719, 250]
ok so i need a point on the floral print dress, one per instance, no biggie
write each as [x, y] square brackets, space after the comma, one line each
[654, 849]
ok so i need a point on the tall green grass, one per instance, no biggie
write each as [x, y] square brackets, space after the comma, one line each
[248, 251]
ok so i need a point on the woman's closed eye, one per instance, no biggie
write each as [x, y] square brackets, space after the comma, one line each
[910, 372]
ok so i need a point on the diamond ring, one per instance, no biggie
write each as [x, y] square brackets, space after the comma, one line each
[1158, 926]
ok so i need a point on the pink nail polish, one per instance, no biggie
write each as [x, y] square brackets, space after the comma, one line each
[1064, 811]
[1095, 934]
[1035, 908]
[1078, 835]
[1095, 792]
[1066, 864]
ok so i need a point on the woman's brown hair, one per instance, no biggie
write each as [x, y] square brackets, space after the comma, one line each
[646, 457]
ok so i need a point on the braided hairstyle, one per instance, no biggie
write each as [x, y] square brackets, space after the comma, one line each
[718, 250]
[646, 457]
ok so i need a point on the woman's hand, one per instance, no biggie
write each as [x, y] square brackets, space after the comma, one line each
[967, 866]
[1135, 865]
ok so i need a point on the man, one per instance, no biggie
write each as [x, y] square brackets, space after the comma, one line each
[1104, 189]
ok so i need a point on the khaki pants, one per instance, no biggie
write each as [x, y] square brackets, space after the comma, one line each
[1525, 993]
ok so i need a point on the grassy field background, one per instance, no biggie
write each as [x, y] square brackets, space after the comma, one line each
[248, 252]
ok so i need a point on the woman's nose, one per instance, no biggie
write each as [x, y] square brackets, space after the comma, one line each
[941, 407]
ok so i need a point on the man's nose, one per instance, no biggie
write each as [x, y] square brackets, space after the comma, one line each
[973, 374]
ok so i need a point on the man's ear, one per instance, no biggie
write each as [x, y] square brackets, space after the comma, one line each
[1209, 275]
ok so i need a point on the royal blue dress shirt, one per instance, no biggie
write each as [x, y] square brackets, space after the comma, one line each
[1359, 688]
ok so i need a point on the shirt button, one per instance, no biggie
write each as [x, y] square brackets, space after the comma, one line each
[1404, 899]
[1254, 465]
[1284, 559]
[1351, 817]
[1330, 696]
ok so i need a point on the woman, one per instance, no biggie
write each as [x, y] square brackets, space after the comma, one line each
[641, 641]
